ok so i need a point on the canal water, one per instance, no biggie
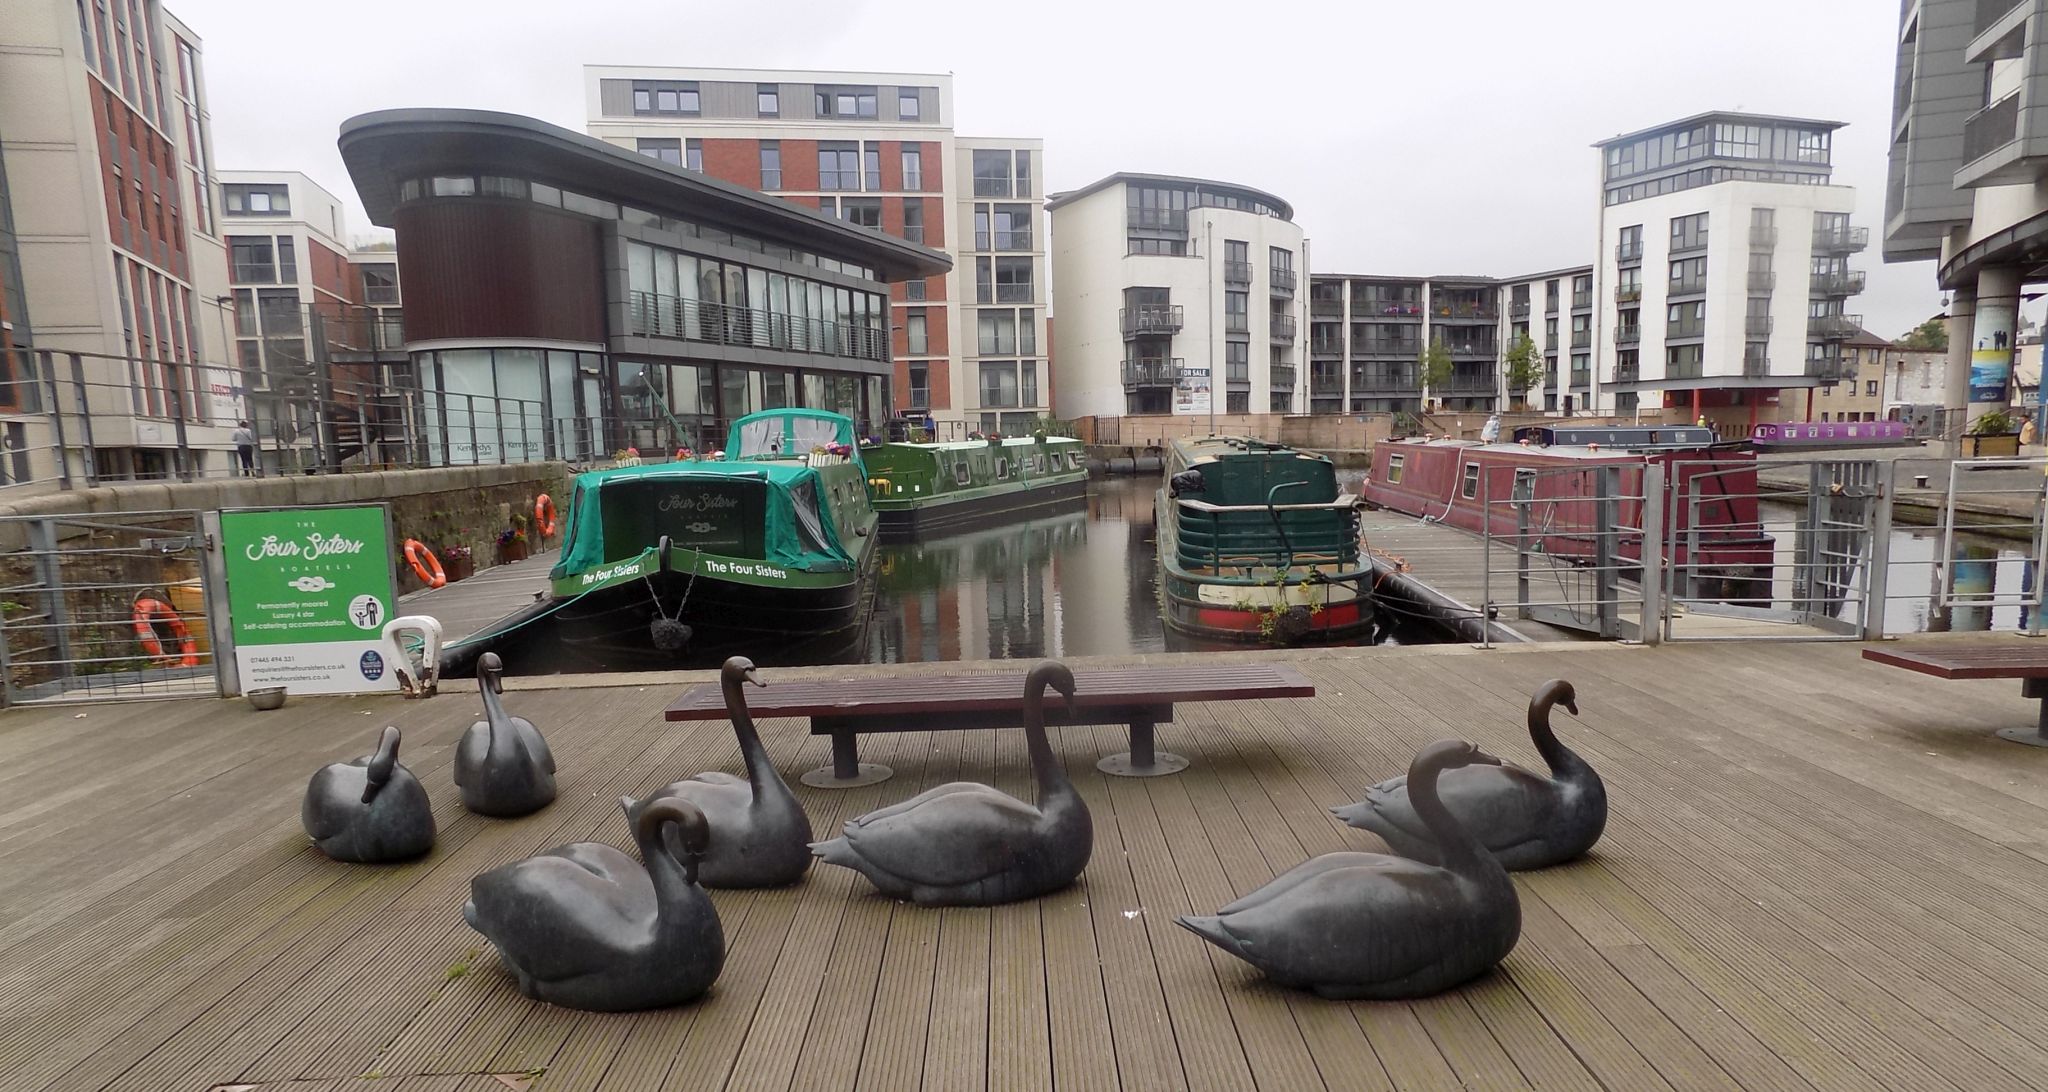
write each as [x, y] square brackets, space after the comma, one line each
[1985, 567]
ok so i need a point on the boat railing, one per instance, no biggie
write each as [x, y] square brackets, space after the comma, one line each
[1287, 541]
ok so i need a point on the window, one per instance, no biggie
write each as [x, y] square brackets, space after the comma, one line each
[920, 386]
[1683, 361]
[845, 102]
[1023, 173]
[1237, 402]
[1395, 464]
[1688, 275]
[1686, 320]
[1688, 232]
[914, 290]
[251, 259]
[693, 155]
[913, 221]
[838, 165]
[287, 261]
[1028, 370]
[991, 173]
[1282, 258]
[999, 384]
[1870, 387]
[862, 212]
[771, 164]
[1470, 488]
[1630, 246]
[380, 284]
[1236, 312]
[667, 149]
[664, 97]
[452, 186]
[913, 169]
[248, 199]
[908, 108]
[1012, 280]
[768, 100]
[915, 333]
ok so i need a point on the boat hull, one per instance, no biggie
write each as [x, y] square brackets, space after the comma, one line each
[1342, 614]
[942, 515]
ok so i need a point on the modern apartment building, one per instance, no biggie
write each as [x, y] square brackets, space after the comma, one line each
[1722, 278]
[1969, 149]
[1554, 310]
[878, 150]
[1176, 295]
[107, 156]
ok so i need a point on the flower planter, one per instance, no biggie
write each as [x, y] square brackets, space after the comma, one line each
[509, 552]
[458, 568]
[1994, 446]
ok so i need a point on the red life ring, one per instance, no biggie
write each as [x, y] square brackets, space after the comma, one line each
[544, 515]
[429, 573]
[150, 613]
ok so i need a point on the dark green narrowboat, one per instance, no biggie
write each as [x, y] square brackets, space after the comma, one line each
[925, 489]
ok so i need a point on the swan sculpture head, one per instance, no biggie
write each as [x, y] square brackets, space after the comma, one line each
[1449, 754]
[737, 670]
[491, 670]
[688, 840]
[1054, 674]
[1558, 692]
[381, 763]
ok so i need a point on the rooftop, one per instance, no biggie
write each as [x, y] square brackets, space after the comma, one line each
[1055, 200]
[1732, 116]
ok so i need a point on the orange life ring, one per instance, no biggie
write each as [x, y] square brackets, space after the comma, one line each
[429, 573]
[150, 613]
[544, 515]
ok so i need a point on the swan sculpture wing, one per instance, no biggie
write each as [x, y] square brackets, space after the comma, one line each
[1357, 917]
[1503, 805]
[334, 800]
[980, 831]
[918, 801]
[549, 914]
[1306, 870]
[535, 743]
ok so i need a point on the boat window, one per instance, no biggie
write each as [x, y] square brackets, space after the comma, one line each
[1395, 463]
[1525, 484]
[1038, 464]
[961, 473]
[1002, 467]
[1471, 488]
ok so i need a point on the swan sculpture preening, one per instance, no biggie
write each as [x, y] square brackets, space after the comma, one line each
[502, 764]
[967, 844]
[370, 809]
[1527, 820]
[586, 927]
[1355, 926]
[763, 834]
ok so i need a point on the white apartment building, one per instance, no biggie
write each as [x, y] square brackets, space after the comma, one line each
[1175, 295]
[109, 169]
[1722, 276]
[1554, 310]
[878, 149]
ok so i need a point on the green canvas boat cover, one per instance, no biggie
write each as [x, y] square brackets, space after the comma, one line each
[711, 499]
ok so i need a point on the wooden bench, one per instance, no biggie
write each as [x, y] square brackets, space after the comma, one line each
[1142, 697]
[2027, 662]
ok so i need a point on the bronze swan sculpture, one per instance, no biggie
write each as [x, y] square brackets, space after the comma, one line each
[370, 809]
[967, 844]
[586, 927]
[763, 834]
[1367, 926]
[502, 765]
[1527, 820]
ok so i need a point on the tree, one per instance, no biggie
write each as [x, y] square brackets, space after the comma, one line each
[1524, 366]
[1929, 336]
[1433, 366]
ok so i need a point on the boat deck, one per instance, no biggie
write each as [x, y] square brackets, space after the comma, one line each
[1833, 882]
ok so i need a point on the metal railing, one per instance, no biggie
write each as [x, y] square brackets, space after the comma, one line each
[1237, 322]
[1991, 128]
[1387, 308]
[1139, 219]
[652, 315]
[1326, 346]
[1582, 300]
[1582, 339]
[1386, 346]
[1763, 235]
[1282, 280]
[1161, 319]
[1833, 327]
[1762, 280]
[1757, 325]
[1685, 328]
[1280, 377]
[1628, 252]
[1152, 372]
[1002, 240]
[1846, 283]
[1235, 272]
[1694, 286]
[1395, 377]
[1628, 293]
[1478, 347]
[1841, 240]
[1625, 373]
[1628, 335]
[1755, 367]
[1282, 327]
[985, 186]
[1519, 309]
[1479, 312]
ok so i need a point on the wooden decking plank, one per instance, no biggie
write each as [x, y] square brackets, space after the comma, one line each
[956, 1050]
[1465, 1042]
[1410, 1057]
[581, 1063]
[1019, 1019]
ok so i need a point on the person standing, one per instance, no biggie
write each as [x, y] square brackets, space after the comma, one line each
[245, 447]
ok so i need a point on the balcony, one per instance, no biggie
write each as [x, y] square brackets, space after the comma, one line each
[1004, 292]
[1465, 312]
[1468, 350]
[1408, 347]
[1757, 325]
[1685, 328]
[1282, 280]
[1280, 377]
[1171, 220]
[1762, 280]
[1625, 373]
[1991, 128]
[1628, 253]
[1692, 286]
[1582, 301]
[1832, 368]
[1397, 377]
[1845, 283]
[1518, 309]
[1550, 306]
[1149, 321]
[1582, 339]
[1833, 327]
[1235, 272]
[1628, 293]
[651, 315]
[1001, 240]
[1152, 371]
[1628, 335]
[1464, 383]
[1326, 346]
[1989, 12]
[1756, 367]
[1582, 377]
[991, 186]
[1371, 308]
[1690, 244]
[1763, 236]
[1322, 308]
[1840, 240]
[1283, 327]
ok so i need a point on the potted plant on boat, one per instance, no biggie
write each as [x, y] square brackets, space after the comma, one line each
[1993, 436]
[458, 558]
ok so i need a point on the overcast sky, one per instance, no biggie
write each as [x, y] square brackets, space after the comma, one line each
[1411, 138]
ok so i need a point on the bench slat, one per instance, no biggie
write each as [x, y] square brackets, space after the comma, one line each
[992, 691]
[2028, 661]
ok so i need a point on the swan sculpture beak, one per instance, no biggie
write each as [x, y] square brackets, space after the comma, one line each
[1481, 758]
[755, 678]
[1572, 706]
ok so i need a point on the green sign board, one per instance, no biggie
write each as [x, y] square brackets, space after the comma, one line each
[309, 591]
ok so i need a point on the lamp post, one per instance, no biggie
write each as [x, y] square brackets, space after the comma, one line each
[1209, 257]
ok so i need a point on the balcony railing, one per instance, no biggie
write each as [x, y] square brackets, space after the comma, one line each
[914, 233]
[1283, 327]
[1467, 383]
[1142, 321]
[1628, 252]
[1152, 372]
[1235, 272]
[1320, 308]
[1628, 335]
[1280, 377]
[1004, 292]
[1846, 283]
[1693, 286]
[1002, 240]
[1756, 367]
[1582, 377]
[1326, 346]
[1387, 308]
[1386, 346]
[1763, 235]
[1835, 368]
[1582, 300]
[1470, 349]
[1156, 219]
[991, 187]
[1625, 373]
[1685, 329]
[920, 398]
[1757, 325]
[1282, 280]
[1841, 240]
[1689, 244]
[1518, 309]
[1479, 312]
[1628, 293]
[1762, 280]
[1991, 128]
[652, 315]
[1833, 327]
[1398, 377]
[1990, 12]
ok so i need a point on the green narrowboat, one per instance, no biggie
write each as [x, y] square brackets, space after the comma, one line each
[769, 552]
[924, 489]
[1256, 543]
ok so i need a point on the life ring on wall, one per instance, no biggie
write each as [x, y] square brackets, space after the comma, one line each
[429, 573]
[150, 613]
[544, 515]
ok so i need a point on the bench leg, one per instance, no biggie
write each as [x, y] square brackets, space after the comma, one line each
[1142, 760]
[2038, 737]
[847, 771]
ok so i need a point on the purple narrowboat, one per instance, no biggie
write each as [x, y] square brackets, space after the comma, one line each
[1820, 435]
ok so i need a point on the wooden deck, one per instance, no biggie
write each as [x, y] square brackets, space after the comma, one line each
[1820, 873]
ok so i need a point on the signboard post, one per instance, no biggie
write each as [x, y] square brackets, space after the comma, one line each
[309, 591]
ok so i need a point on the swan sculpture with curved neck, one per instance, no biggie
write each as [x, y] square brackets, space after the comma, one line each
[587, 927]
[967, 844]
[370, 809]
[1366, 926]
[502, 764]
[1527, 820]
[763, 834]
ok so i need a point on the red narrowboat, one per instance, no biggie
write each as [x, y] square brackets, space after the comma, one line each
[1472, 486]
